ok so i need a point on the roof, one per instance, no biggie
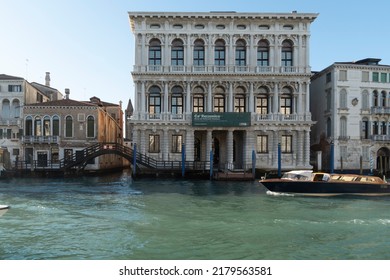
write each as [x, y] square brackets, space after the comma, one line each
[365, 61]
[8, 77]
[40, 86]
[62, 102]
[72, 103]
[130, 109]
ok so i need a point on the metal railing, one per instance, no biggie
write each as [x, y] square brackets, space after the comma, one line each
[222, 68]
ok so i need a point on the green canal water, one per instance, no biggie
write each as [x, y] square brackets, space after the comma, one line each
[114, 218]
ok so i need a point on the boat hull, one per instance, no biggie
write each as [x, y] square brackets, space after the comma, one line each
[325, 188]
[3, 209]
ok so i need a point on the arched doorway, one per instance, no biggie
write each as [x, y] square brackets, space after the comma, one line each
[383, 160]
[197, 149]
[216, 151]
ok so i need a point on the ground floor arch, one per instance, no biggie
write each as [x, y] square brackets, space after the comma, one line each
[383, 160]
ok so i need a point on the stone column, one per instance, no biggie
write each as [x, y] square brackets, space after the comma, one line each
[143, 143]
[166, 101]
[229, 149]
[165, 145]
[307, 98]
[251, 99]
[301, 147]
[167, 61]
[275, 143]
[189, 144]
[307, 148]
[249, 146]
[209, 145]
[188, 108]
[137, 106]
[210, 98]
[143, 102]
[144, 53]
[230, 102]
[300, 100]
[275, 109]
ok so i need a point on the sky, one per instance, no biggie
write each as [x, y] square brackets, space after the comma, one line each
[88, 47]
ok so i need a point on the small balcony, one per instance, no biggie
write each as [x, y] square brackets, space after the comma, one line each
[380, 110]
[381, 137]
[40, 139]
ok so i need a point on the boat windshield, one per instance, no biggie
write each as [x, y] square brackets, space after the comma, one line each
[297, 175]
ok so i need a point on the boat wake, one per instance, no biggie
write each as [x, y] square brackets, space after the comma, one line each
[279, 194]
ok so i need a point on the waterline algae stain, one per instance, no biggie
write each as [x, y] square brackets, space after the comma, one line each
[114, 217]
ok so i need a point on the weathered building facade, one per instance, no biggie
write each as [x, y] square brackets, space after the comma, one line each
[59, 129]
[223, 83]
[15, 92]
[350, 102]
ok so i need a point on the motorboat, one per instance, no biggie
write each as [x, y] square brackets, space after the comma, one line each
[3, 209]
[307, 182]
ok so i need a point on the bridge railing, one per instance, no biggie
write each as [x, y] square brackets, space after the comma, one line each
[79, 159]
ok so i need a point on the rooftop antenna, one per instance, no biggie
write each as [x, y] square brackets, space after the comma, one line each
[26, 68]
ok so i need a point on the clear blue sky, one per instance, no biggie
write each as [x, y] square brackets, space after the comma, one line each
[88, 47]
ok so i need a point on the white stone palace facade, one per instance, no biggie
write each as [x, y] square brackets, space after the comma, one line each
[223, 83]
[351, 107]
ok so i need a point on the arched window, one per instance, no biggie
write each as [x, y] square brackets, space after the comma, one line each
[177, 101]
[343, 99]
[286, 106]
[199, 54]
[328, 127]
[375, 127]
[198, 100]
[154, 102]
[56, 126]
[365, 102]
[287, 53]
[28, 128]
[15, 108]
[383, 128]
[263, 53]
[68, 126]
[239, 100]
[38, 126]
[219, 100]
[177, 53]
[375, 96]
[383, 98]
[240, 53]
[262, 101]
[365, 128]
[46, 126]
[343, 126]
[219, 53]
[5, 109]
[154, 52]
[90, 127]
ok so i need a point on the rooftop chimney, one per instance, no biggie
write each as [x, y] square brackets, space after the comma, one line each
[67, 93]
[47, 79]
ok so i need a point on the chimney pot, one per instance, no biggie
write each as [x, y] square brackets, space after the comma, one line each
[47, 79]
[67, 92]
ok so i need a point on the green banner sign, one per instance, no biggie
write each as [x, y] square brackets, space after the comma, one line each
[221, 119]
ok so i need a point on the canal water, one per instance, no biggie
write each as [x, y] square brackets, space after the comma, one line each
[114, 218]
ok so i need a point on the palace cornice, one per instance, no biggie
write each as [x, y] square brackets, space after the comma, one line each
[223, 15]
[362, 67]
